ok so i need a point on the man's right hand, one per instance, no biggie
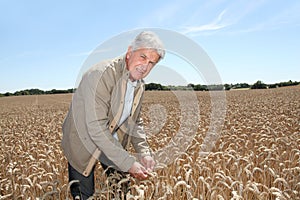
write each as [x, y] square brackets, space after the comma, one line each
[138, 171]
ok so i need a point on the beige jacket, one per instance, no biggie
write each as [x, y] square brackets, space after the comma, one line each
[93, 116]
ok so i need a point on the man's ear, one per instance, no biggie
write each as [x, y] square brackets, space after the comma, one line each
[129, 52]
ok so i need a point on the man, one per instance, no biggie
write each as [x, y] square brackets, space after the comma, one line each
[104, 116]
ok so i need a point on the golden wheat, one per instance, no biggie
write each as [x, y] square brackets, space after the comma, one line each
[255, 156]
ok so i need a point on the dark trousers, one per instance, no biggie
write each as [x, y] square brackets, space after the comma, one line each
[86, 186]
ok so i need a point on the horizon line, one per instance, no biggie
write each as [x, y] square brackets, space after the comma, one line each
[46, 90]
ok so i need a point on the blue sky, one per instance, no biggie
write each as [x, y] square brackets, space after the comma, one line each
[44, 44]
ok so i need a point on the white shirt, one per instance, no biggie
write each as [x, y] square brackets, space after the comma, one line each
[127, 104]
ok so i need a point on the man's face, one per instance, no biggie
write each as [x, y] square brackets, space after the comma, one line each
[140, 62]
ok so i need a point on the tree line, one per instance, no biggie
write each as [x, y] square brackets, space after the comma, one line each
[37, 92]
[156, 86]
[198, 87]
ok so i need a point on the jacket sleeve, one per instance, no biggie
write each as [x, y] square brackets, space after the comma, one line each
[96, 92]
[139, 139]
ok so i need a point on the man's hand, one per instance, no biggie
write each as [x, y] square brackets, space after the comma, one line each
[148, 162]
[138, 171]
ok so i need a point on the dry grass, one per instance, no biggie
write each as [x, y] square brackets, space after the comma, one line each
[257, 155]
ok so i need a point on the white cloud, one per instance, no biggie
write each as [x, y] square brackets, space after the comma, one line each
[216, 24]
[282, 17]
[231, 14]
[289, 16]
[87, 53]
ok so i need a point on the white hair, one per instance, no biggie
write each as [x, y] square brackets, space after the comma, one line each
[148, 39]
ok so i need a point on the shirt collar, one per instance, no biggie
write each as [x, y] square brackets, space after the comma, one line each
[133, 84]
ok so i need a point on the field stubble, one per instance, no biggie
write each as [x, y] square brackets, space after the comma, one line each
[256, 155]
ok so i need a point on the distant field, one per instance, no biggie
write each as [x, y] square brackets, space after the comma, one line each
[256, 156]
[241, 89]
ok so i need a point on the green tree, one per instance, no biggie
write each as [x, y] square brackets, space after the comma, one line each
[153, 86]
[8, 94]
[227, 86]
[259, 85]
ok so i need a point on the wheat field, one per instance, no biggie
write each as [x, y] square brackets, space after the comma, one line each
[255, 156]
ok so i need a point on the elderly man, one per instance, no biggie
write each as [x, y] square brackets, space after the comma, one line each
[104, 116]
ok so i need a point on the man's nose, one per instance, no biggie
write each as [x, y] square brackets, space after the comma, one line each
[144, 67]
